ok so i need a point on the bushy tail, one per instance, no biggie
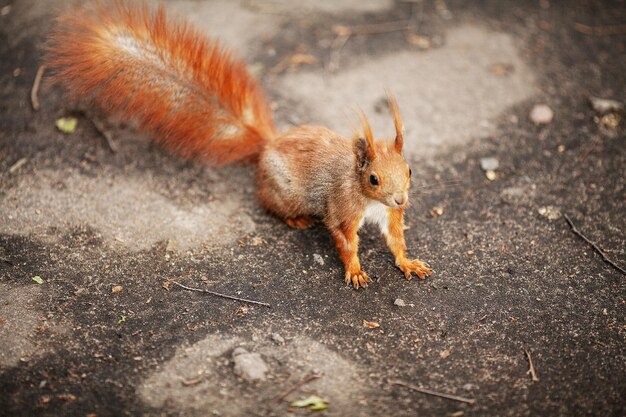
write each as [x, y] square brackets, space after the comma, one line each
[185, 90]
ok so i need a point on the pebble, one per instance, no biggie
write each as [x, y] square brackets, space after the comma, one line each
[318, 258]
[603, 106]
[541, 114]
[523, 194]
[278, 339]
[550, 212]
[399, 302]
[489, 164]
[249, 366]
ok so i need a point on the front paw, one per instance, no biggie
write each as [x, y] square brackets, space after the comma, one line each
[408, 266]
[357, 278]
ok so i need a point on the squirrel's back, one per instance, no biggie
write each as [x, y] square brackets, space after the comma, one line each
[185, 90]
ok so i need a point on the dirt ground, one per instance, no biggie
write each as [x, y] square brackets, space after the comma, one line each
[102, 336]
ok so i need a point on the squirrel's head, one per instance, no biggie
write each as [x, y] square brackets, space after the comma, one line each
[384, 174]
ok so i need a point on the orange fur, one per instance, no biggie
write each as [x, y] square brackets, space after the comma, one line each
[198, 101]
[185, 90]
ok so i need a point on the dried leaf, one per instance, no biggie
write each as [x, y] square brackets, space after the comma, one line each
[66, 397]
[501, 69]
[257, 241]
[341, 30]
[445, 353]
[171, 246]
[312, 403]
[122, 319]
[302, 59]
[421, 42]
[66, 125]
[370, 324]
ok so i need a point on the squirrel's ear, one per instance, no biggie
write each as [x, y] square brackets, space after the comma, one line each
[362, 150]
[364, 146]
[397, 121]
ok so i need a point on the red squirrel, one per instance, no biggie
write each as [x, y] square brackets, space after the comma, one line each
[196, 99]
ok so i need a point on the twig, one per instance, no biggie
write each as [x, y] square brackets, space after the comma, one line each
[312, 376]
[17, 165]
[105, 134]
[600, 30]
[344, 33]
[531, 367]
[217, 294]
[470, 401]
[190, 382]
[335, 50]
[593, 245]
[34, 99]
[375, 28]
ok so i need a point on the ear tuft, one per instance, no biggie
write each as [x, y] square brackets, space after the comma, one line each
[397, 121]
[364, 145]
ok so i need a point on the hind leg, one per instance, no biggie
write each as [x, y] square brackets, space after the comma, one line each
[302, 222]
[276, 197]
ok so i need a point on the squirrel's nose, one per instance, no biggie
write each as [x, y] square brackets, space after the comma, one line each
[399, 199]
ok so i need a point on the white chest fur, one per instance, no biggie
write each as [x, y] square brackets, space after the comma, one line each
[376, 213]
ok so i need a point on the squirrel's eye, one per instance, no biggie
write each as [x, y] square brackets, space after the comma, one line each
[373, 179]
[410, 172]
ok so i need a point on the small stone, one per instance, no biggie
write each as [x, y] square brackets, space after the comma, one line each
[491, 175]
[445, 353]
[489, 164]
[603, 106]
[541, 114]
[399, 302]
[249, 366]
[523, 194]
[278, 339]
[436, 211]
[318, 258]
[550, 212]
[116, 289]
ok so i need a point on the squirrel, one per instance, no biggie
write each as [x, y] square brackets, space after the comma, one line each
[196, 99]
